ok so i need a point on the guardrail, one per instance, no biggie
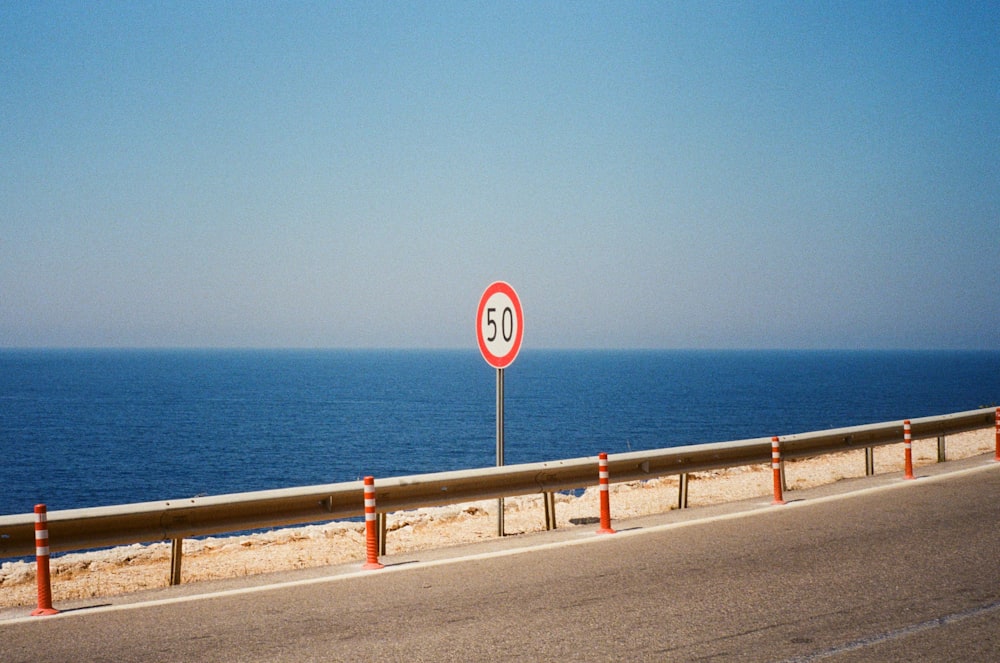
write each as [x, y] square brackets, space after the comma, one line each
[80, 529]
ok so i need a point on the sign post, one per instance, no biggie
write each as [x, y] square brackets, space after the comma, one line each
[499, 330]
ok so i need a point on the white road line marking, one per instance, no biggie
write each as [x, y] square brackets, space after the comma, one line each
[903, 632]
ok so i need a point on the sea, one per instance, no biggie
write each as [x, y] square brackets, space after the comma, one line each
[84, 428]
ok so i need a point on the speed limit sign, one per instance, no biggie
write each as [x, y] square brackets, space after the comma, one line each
[499, 325]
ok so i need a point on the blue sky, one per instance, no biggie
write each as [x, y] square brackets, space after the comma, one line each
[648, 175]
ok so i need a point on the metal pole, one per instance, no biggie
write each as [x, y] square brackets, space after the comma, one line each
[176, 555]
[500, 446]
[550, 511]
[383, 529]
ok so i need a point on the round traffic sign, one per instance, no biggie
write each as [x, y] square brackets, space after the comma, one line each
[499, 325]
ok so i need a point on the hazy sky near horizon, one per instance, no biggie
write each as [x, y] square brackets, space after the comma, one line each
[654, 175]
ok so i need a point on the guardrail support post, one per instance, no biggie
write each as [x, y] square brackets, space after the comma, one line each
[776, 470]
[383, 529]
[550, 510]
[176, 555]
[602, 480]
[371, 527]
[682, 492]
[942, 452]
[869, 462]
[907, 451]
[42, 576]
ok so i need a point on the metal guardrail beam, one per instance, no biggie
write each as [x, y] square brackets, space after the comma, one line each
[804, 445]
[81, 529]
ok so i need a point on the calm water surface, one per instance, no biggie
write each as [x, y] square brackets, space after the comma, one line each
[90, 428]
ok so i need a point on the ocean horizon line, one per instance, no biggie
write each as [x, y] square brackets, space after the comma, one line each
[474, 350]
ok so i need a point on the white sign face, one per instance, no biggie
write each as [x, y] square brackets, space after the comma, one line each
[499, 325]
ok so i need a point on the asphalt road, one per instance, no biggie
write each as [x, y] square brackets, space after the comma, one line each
[906, 572]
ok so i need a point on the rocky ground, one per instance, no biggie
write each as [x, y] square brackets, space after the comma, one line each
[130, 568]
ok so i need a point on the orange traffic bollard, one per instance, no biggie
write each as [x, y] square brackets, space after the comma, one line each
[42, 563]
[776, 470]
[997, 456]
[602, 480]
[907, 451]
[371, 526]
